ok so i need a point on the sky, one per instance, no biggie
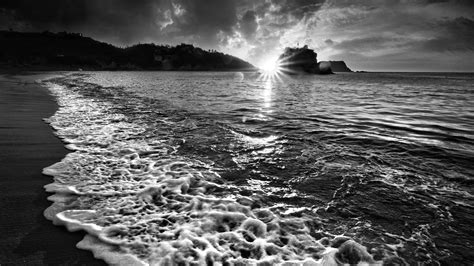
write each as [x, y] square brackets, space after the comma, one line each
[416, 35]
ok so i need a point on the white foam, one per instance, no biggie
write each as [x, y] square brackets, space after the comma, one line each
[74, 221]
[141, 203]
[108, 252]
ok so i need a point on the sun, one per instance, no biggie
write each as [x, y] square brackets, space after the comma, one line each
[270, 67]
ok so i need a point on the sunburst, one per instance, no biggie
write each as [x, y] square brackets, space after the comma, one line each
[271, 69]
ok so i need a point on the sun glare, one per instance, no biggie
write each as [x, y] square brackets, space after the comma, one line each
[270, 68]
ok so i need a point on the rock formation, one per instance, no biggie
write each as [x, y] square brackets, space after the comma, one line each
[299, 60]
[339, 66]
[324, 67]
[304, 60]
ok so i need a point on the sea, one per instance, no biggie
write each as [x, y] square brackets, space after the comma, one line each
[244, 168]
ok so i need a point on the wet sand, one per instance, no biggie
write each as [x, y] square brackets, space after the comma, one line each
[27, 145]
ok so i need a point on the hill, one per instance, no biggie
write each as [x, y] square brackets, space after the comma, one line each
[71, 51]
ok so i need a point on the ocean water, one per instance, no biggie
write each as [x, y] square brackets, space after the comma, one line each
[237, 168]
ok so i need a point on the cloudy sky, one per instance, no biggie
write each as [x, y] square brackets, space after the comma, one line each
[417, 35]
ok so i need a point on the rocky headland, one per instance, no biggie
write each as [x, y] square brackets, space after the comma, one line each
[304, 60]
[339, 66]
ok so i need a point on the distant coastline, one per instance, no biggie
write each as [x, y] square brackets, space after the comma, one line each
[71, 51]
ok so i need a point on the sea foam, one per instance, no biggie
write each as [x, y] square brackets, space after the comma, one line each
[141, 203]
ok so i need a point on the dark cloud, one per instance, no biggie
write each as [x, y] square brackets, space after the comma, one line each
[122, 21]
[329, 42]
[128, 21]
[47, 13]
[248, 24]
[282, 14]
[455, 35]
[297, 8]
[448, 35]
[371, 43]
[205, 20]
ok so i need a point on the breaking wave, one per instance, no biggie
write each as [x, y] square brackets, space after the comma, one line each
[142, 202]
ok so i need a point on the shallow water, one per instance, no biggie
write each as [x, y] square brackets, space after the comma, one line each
[234, 167]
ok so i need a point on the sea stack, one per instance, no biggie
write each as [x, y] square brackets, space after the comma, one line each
[339, 66]
[302, 60]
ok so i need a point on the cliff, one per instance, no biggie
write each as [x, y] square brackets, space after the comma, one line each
[297, 60]
[339, 66]
[71, 51]
[302, 60]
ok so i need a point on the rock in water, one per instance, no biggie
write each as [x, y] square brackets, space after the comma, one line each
[302, 60]
[299, 60]
[339, 66]
[325, 67]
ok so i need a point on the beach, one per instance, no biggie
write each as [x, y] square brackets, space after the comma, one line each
[27, 145]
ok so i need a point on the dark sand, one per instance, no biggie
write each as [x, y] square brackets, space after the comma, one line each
[27, 145]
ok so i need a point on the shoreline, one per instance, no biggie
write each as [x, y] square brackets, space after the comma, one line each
[28, 145]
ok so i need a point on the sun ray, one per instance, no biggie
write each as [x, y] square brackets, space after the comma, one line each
[271, 69]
